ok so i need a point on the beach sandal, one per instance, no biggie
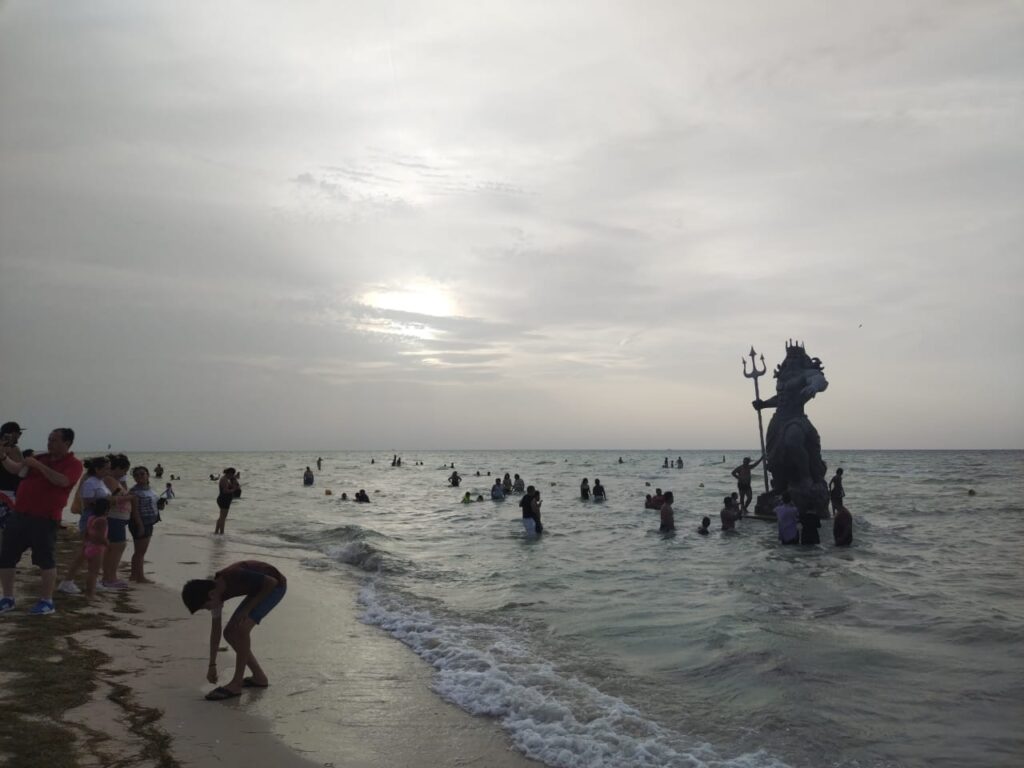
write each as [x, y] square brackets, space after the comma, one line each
[221, 693]
[249, 682]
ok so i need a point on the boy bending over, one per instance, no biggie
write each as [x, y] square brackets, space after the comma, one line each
[262, 586]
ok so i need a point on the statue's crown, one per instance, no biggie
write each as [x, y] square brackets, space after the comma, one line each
[796, 355]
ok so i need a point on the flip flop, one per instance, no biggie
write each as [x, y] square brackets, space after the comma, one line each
[221, 693]
[249, 682]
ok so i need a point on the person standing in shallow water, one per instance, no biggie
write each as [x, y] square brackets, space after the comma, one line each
[787, 515]
[668, 518]
[585, 489]
[228, 488]
[842, 527]
[835, 490]
[742, 475]
[809, 525]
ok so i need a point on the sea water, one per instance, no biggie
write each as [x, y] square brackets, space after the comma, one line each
[604, 643]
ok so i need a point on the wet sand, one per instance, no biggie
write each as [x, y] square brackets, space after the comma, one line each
[341, 693]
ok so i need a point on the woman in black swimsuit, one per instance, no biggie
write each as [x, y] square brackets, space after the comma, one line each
[229, 490]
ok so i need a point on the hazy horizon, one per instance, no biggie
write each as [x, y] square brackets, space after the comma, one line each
[242, 225]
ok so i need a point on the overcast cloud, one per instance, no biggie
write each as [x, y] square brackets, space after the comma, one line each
[332, 225]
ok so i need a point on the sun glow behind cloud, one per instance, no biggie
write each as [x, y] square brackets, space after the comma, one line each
[423, 298]
[418, 298]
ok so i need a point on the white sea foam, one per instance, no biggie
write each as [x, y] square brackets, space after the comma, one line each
[557, 719]
[356, 553]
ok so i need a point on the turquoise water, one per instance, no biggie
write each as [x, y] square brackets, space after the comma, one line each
[604, 643]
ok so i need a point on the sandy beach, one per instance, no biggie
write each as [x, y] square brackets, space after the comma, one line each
[150, 671]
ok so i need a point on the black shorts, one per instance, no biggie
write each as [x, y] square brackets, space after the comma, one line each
[140, 533]
[27, 531]
[224, 500]
[744, 488]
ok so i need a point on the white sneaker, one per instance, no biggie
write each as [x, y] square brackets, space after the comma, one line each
[69, 588]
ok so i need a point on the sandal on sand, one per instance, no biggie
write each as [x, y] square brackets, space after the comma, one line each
[249, 682]
[221, 693]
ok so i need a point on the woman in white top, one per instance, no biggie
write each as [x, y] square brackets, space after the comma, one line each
[90, 490]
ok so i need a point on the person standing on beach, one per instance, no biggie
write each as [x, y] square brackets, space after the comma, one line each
[835, 490]
[91, 490]
[229, 489]
[842, 527]
[122, 512]
[10, 433]
[147, 515]
[42, 494]
[787, 515]
[262, 586]
[94, 545]
[742, 475]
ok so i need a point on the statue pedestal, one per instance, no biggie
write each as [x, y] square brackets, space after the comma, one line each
[764, 508]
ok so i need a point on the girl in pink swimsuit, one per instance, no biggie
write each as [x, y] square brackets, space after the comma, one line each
[94, 546]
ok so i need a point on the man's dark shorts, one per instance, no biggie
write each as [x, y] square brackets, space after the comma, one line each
[29, 532]
[744, 488]
[140, 533]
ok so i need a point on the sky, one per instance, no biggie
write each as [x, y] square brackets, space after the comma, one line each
[427, 225]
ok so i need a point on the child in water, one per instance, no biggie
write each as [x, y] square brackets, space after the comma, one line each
[705, 523]
[94, 545]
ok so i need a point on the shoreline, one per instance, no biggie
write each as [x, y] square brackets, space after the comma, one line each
[127, 674]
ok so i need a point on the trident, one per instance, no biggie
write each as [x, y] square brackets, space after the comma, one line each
[755, 375]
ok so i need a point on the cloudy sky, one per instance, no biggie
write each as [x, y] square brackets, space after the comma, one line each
[331, 225]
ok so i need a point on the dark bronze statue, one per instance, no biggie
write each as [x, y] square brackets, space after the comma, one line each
[792, 447]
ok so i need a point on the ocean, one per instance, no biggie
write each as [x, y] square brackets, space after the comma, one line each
[606, 644]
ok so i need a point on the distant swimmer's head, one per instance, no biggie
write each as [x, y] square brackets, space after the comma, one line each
[705, 522]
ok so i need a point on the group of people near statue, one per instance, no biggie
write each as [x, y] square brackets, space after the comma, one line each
[795, 526]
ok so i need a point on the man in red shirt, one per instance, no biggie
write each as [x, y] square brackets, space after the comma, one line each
[33, 525]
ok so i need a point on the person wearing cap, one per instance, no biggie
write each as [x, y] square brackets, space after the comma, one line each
[742, 475]
[10, 433]
[42, 494]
